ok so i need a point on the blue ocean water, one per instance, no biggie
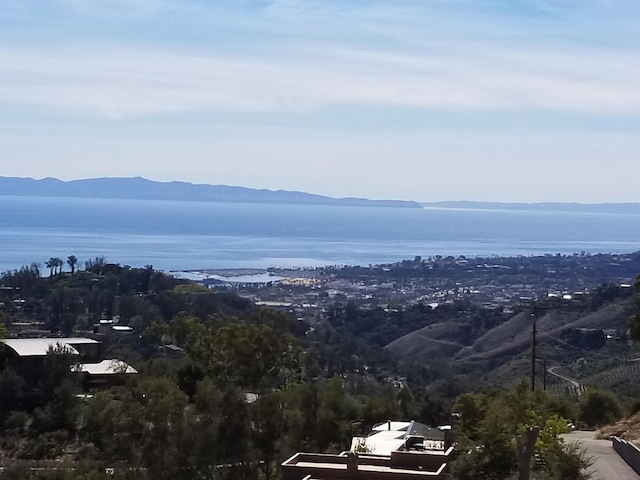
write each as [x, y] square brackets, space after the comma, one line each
[173, 235]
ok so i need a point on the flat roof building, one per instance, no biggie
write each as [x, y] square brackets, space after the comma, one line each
[393, 451]
[38, 347]
[28, 357]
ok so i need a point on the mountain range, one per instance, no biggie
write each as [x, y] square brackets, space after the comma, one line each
[144, 189]
[141, 188]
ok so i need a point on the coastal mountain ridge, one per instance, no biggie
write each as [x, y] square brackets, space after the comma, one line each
[144, 189]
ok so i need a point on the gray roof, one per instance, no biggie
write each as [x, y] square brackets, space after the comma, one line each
[408, 429]
[37, 347]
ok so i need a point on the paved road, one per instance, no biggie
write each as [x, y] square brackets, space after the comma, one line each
[573, 382]
[608, 465]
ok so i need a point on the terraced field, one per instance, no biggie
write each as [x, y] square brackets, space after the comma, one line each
[628, 372]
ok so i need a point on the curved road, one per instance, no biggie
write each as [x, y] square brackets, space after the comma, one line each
[607, 464]
[574, 383]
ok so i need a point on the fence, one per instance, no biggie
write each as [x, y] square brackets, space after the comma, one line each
[628, 451]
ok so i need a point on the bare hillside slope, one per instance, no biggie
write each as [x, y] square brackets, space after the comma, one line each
[437, 339]
[506, 341]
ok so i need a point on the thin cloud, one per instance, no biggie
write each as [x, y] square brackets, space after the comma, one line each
[100, 8]
[301, 56]
[115, 83]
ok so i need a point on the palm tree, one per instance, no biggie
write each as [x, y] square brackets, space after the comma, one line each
[54, 264]
[72, 261]
[50, 264]
[58, 264]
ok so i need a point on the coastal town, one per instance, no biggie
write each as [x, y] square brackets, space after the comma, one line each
[356, 369]
[493, 283]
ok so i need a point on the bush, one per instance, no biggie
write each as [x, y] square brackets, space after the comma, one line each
[598, 408]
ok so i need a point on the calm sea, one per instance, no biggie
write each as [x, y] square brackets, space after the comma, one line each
[174, 235]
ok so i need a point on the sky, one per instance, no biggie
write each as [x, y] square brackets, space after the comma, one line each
[426, 100]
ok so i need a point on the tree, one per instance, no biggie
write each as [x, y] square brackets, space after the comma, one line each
[599, 407]
[488, 426]
[634, 321]
[493, 457]
[50, 265]
[164, 408]
[560, 460]
[54, 264]
[72, 261]
[95, 265]
[471, 409]
[267, 429]
[12, 391]
[406, 403]
[253, 357]
[59, 264]
[114, 424]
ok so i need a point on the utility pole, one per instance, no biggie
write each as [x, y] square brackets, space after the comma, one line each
[534, 315]
[533, 349]
[535, 310]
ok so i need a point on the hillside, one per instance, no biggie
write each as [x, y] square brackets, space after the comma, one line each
[501, 355]
[141, 188]
[433, 340]
[514, 335]
[628, 428]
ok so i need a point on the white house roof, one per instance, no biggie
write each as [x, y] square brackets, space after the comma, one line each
[388, 435]
[376, 446]
[122, 328]
[36, 347]
[397, 426]
[105, 367]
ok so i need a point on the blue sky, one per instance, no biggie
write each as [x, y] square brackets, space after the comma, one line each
[424, 100]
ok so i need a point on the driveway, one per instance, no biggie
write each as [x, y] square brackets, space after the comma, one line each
[608, 465]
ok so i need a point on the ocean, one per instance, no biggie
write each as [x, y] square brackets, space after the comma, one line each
[178, 235]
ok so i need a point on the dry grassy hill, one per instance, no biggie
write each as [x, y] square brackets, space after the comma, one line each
[493, 352]
[514, 336]
[437, 339]
[628, 428]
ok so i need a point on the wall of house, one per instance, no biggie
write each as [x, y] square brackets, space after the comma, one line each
[418, 460]
[336, 467]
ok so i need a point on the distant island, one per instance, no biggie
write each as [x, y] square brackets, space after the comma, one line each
[144, 189]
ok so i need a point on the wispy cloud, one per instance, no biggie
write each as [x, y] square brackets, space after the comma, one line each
[101, 8]
[116, 81]
[302, 55]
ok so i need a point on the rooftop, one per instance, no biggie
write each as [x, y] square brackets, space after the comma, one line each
[390, 436]
[37, 347]
[365, 467]
[105, 367]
